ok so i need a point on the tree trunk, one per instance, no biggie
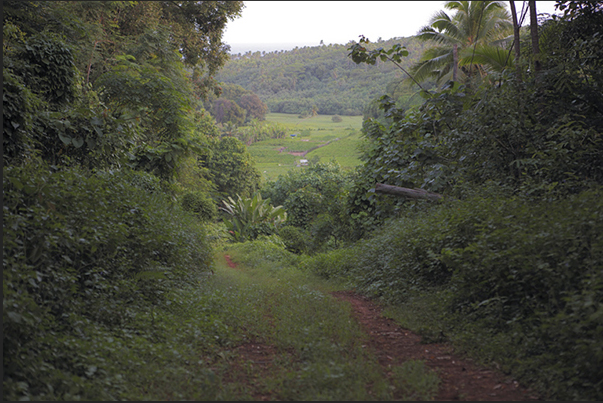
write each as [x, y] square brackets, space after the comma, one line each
[516, 39]
[405, 192]
[455, 61]
[534, 33]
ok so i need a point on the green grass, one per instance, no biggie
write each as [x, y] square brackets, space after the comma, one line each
[344, 151]
[267, 298]
[323, 139]
[317, 122]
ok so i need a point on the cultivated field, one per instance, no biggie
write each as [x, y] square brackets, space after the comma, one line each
[316, 139]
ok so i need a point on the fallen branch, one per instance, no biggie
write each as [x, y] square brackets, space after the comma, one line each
[405, 192]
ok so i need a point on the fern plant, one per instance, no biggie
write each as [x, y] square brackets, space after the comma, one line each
[252, 216]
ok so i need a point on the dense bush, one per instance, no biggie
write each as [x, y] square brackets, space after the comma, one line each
[314, 199]
[534, 270]
[228, 165]
[524, 268]
[201, 204]
[337, 263]
[294, 238]
[265, 249]
[85, 258]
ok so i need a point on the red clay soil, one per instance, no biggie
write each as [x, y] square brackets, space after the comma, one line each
[460, 379]
[229, 262]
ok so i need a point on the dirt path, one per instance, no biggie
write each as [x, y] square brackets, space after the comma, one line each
[460, 379]
[303, 153]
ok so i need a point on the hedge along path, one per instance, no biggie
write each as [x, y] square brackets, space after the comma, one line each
[460, 378]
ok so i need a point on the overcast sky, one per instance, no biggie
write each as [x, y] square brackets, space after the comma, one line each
[282, 25]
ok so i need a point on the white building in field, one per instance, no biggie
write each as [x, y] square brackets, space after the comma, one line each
[303, 162]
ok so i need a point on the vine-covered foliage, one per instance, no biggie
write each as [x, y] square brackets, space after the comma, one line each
[314, 199]
[119, 97]
[229, 166]
[92, 248]
[201, 204]
[83, 255]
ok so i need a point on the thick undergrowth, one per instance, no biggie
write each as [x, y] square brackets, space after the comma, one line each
[93, 268]
[513, 281]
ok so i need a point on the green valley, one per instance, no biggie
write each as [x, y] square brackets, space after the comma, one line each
[314, 139]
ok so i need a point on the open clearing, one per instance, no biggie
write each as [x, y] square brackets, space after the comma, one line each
[316, 139]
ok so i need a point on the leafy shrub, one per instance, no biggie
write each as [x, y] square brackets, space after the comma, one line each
[337, 263]
[294, 238]
[84, 256]
[336, 119]
[314, 197]
[50, 67]
[252, 216]
[537, 266]
[201, 204]
[325, 233]
[17, 104]
[226, 163]
[302, 206]
[217, 234]
[535, 252]
[267, 251]
[525, 270]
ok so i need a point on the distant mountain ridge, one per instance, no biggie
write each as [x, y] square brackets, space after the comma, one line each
[320, 78]
[242, 48]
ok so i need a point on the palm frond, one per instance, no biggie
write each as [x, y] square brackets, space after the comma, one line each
[475, 25]
[492, 58]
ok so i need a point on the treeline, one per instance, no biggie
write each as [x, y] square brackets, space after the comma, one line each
[320, 78]
[241, 114]
[236, 105]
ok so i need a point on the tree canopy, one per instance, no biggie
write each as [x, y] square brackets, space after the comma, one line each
[465, 43]
[320, 78]
[130, 74]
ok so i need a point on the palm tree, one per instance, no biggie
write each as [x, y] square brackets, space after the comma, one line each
[466, 43]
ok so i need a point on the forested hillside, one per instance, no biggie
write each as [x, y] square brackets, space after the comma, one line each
[321, 78]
